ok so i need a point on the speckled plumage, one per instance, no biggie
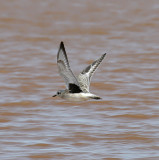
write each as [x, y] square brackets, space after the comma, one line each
[77, 88]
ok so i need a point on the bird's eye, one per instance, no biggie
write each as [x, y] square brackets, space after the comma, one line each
[58, 92]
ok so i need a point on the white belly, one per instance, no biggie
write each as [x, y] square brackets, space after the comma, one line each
[78, 96]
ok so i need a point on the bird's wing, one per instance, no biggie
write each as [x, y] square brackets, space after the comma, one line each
[65, 70]
[85, 76]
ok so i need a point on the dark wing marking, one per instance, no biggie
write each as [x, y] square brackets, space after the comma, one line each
[73, 88]
[85, 76]
[64, 67]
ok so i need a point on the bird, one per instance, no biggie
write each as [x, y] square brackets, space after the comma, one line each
[77, 88]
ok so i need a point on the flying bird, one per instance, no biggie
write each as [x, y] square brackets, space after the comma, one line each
[77, 88]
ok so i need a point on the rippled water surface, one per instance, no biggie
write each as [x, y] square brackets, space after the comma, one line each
[124, 125]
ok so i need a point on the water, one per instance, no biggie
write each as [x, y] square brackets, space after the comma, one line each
[124, 124]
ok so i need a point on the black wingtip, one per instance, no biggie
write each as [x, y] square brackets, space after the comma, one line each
[62, 43]
[104, 54]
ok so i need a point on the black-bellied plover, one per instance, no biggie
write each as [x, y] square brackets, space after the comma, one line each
[77, 88]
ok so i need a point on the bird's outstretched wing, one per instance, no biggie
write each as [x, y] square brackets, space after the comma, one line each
[85, 76]
[65, 70]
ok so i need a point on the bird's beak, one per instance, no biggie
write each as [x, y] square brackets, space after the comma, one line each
[54, 95]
